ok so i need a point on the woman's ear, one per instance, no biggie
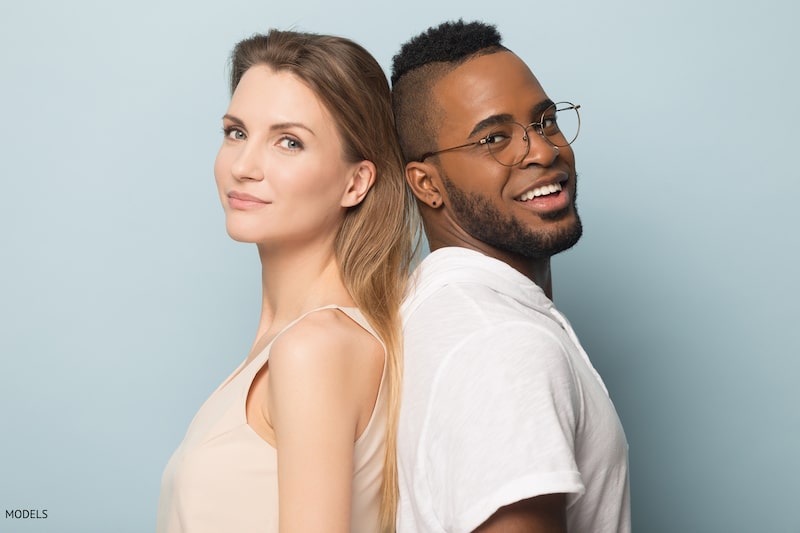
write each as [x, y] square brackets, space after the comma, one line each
[361, 181]
[424, 182]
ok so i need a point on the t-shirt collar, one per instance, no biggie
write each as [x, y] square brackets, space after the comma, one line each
[456, 264]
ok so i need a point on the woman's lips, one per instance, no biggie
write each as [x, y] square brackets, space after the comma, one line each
[240, 200]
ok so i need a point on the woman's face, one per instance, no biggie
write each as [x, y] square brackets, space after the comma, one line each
[280, 171]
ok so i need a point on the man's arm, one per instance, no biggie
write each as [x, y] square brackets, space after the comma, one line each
[542, 514]
[499, 427]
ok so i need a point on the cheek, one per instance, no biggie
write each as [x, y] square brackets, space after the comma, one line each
[316, 182]
[482, 177]
[221, 167]
[568, 155]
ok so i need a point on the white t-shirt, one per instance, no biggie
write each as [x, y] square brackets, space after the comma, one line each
[500, 404]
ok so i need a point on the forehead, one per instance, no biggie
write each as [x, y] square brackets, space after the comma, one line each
[492, 84]
[266, 95]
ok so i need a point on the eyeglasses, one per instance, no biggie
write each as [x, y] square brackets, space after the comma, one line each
[509, 143]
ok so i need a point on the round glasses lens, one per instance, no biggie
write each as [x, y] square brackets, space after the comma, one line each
[508, 143]
[561, 123]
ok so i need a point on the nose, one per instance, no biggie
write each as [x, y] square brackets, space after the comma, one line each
[540, 151]
[246, 163]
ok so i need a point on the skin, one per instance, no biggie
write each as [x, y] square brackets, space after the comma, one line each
[463, 192]
[316, 395]
[543, 514]
[454, 189]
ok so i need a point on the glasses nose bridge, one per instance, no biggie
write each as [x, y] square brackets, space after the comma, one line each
[537, 127]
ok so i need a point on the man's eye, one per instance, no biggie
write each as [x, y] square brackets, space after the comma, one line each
[495, 138]
[549, 124]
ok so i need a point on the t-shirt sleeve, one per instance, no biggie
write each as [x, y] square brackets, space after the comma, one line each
[501, 424]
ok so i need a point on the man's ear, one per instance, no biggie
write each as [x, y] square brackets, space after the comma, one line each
[360, 183]
[424, 183]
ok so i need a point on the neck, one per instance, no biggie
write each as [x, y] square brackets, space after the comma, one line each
[297, 280]
[539, 273]
[535, 269]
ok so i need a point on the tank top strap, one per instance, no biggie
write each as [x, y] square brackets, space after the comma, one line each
[354, 313]
[358, 317]
[259, 359]
[301, 317]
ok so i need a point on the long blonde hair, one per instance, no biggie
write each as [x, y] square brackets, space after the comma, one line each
[374, 245]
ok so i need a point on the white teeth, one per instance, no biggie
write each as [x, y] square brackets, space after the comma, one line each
[540, 191]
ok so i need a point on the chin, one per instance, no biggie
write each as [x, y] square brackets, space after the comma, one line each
[565, 235]
[244, 234]
[540, 243]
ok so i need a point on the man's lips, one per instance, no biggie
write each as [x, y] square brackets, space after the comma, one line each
[536, 192]
[544, 187]
[547, 195]
[241, 200]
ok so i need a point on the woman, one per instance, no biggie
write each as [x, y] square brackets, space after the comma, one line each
[301, 436]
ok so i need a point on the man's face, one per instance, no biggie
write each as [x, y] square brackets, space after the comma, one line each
[493, 203]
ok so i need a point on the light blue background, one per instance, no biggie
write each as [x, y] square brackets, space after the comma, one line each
[124, 304]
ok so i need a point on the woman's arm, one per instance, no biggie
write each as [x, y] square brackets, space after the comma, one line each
[321, 380]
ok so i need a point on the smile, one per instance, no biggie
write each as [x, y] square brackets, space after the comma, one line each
[544, 190]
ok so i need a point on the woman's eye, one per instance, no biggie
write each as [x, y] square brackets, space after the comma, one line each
[290, 143]
[234, 134]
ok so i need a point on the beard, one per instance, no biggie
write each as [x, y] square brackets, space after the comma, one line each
[504, 231]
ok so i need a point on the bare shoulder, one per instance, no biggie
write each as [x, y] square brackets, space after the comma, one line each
[318, 390]
[328, 358]
[330, 336]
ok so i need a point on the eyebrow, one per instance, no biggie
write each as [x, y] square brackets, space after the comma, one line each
[540, 108]
[273, 127]
[490, 121]
[503, 118]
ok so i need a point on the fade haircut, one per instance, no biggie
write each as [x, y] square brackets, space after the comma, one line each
[420, 64]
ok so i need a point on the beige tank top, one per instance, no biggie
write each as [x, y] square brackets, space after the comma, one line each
[224, 478]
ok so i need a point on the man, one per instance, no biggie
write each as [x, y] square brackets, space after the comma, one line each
[505, 425]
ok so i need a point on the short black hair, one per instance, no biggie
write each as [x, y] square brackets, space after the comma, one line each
[421, 62]
[449, 42]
